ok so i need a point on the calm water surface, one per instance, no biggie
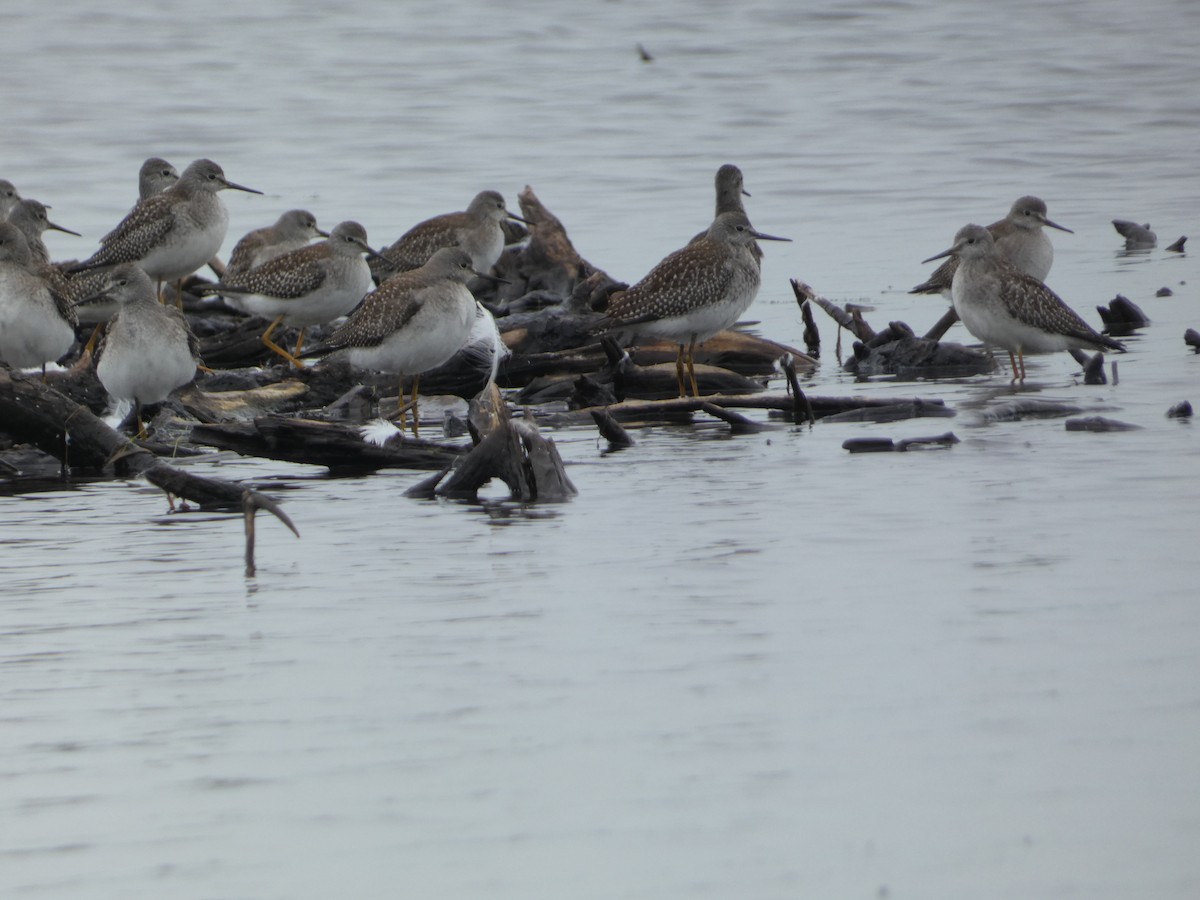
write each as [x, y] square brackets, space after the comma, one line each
[751, 667]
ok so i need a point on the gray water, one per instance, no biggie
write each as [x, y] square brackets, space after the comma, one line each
[751, 667]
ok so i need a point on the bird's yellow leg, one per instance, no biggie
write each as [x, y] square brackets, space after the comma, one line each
[90, 347]
[679, 372]
[691, 364]
[415, 411]
[275, 348]
[299, 344]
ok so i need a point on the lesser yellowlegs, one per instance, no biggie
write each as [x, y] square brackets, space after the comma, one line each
[172, 234]
[310, 286]
[37, 324]
[694, 292]
[1019, 239]
[293, 230]
[477, 231]
[413, 322]
[1004, 307]
[148, 350]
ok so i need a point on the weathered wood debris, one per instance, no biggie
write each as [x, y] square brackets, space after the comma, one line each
[557, 369]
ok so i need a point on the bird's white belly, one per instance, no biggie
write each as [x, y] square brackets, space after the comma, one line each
[32, 332]
[188, 246]
[336, 297]
[430, 338]
[134, 366]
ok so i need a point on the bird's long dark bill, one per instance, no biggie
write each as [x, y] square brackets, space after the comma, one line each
[51, 225]
[91, 298]
[941, 255]
[759, 236]
[241, 187]
[325, 234]
[379, 256]
[1056, 225]
[492, 278]
[513, 215]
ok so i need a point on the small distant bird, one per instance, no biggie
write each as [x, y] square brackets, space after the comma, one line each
[694, 293]
[37, 324]
[413, 322]
[644, 55]
[477, 231]
[155, 176]
[172, 234]
[8, 198]
[1135, 235]
[310, 286]
[148, 350]
[1004, 307]
[1019, 239]
[294, 229]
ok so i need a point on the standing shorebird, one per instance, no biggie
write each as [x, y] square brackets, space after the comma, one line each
[148, 350]
[1004, 307]
[477, 231]
[413, 322]
[695, 292]
[33, 220]
[293, 230]
[8, 198]
[155, 176]
[172, 234]
[1020, 241]
[731, 188]
[310, 286]
[37, 324]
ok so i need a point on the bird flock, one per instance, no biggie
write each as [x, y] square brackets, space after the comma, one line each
[407, 308]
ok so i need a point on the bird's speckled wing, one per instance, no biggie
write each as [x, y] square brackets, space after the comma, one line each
[143, 228]
[1031, 302]
[381, 313]
[413, 249]
[687, 278]
[285, 277]
[940, 280]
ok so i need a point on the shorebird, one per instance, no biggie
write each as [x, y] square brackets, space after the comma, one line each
[148, 350]
[37, 324]
[291, 231]
[31, 217]
[730, 190]
[1020, 241]
[8, 198]
[694, 292]
[172, 234]
[155, 176]
[310, 286]
[413, 322]
[1004, 307]
[477, 231]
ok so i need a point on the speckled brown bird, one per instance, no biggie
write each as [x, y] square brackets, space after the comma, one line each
[34, 221]
[413, 322]
[293, 230]
[148, 350]
[174, 233]
[310, 286]
[1004, 307]
[37, 323]
[1020, 241]
[477, 231]
[694, 292]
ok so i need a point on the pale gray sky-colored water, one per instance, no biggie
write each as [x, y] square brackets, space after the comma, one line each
[732, 667]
